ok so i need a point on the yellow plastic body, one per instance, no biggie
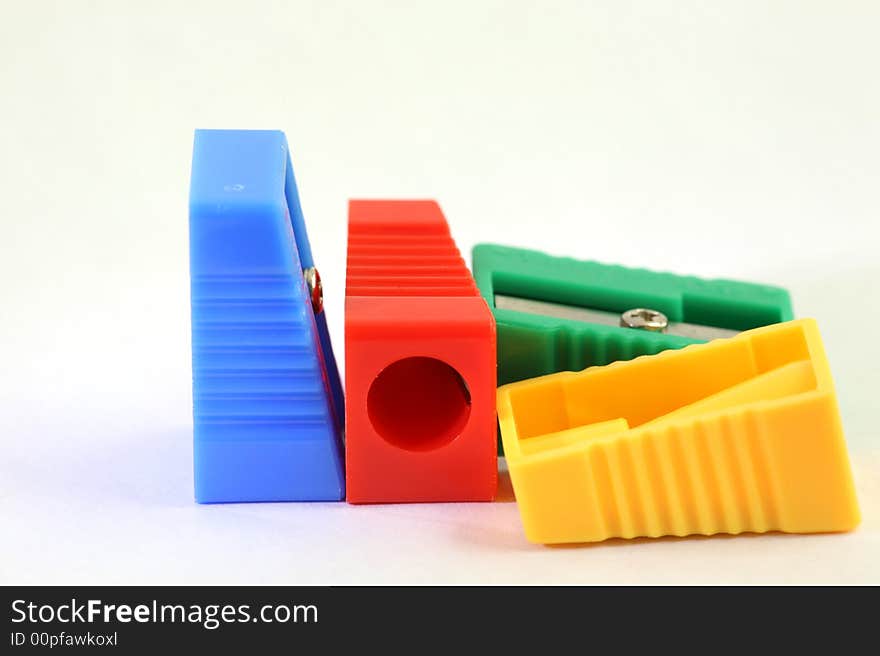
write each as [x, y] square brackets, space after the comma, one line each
[735, 435]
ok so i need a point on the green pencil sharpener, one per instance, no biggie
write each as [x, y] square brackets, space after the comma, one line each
[560, 314]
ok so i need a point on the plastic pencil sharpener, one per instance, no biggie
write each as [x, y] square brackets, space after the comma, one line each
[419, 361]
[267, 400]
[739, 434]
[559, 314]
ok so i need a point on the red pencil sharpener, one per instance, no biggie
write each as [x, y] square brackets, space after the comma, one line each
[419, 361]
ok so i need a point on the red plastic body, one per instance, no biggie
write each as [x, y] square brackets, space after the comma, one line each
[420, 361]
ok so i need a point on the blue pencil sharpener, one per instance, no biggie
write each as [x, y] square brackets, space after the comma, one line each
[267, 400]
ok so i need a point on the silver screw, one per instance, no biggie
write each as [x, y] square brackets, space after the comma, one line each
[316, 289]
[644, 319]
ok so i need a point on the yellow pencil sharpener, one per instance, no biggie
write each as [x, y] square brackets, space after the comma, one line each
[734, 435]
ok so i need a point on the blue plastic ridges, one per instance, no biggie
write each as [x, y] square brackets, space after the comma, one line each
[267, 402]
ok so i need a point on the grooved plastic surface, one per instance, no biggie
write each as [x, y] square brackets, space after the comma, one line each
[267, 400]
[402, 249]
[420, 361]
[739, 434]
[534, 345]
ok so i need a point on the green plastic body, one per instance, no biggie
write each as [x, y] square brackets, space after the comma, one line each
[532, 345]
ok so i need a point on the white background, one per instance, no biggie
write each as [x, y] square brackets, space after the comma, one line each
[732, 139]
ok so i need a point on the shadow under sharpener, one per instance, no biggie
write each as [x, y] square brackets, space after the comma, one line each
[420, 361]
[739, 434]
[267, 400]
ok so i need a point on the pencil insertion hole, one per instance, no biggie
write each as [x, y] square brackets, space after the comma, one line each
[419, 404]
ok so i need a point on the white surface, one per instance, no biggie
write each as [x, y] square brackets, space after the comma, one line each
[735, 139]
